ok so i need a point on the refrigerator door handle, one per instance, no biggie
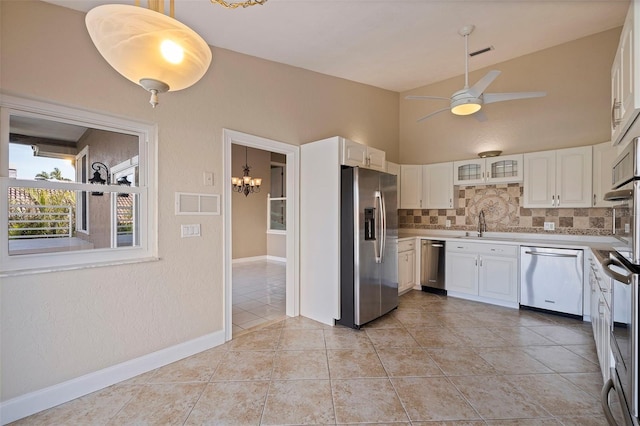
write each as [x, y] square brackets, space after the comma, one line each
[381, 220]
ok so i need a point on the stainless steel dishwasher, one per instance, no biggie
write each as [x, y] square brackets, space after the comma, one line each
[551, 279]
[432, 266]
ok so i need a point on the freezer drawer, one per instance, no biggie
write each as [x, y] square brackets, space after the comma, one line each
[552, 279]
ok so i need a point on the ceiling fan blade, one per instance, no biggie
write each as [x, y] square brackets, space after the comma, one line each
[480, 116]
[499, 97]
[432, 114]
[480, 86]
[426, 97]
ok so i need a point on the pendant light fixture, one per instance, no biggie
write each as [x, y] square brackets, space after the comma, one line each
[232, 4]
[246, 184]
[147, 47]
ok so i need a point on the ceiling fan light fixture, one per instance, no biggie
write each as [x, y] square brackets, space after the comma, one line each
[145, 45]
[465, 107]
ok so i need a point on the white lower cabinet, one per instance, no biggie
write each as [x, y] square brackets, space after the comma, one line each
[406, 265]
[601, 315]
[483, 271]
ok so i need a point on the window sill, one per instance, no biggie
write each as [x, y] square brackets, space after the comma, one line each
[32, 271]
[276, 232]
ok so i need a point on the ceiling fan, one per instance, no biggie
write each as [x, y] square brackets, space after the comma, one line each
[469, 100]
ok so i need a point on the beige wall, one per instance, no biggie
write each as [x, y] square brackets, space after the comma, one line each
[575, 112]
[249, 213]
[57, 326]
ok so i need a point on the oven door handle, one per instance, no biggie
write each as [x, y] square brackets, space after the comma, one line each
[619, 195]
[625, 279]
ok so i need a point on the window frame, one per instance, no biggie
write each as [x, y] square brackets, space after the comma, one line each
[82, 204]
[146, 191]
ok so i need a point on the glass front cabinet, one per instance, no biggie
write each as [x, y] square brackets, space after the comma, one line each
[485, 171]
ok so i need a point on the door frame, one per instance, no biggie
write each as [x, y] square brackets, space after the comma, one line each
[292, 153]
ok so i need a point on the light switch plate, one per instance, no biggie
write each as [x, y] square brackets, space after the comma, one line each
[447, 223]
[190, 230]
[549, 226]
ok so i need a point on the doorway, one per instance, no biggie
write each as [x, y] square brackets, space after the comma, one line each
[292, 154]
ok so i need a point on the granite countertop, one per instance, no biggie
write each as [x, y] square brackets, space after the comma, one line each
[547, 240]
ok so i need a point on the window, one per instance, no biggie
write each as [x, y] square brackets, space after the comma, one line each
[277, 200]
[85, 193]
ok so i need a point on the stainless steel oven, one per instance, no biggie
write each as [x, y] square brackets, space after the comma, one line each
[623, 337]
[623, 266]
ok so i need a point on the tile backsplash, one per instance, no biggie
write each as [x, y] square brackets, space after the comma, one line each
[502, 205]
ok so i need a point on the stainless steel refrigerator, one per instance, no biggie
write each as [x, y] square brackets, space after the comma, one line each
[368, 246]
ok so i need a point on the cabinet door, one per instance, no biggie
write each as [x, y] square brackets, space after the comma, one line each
[437, 186]
[469, 172]
[627, 107]
[603, 156]
[411, 188]
[539, 179]
[616, 99]
[573, 177]
[462, 272]
[376, 159]
[354, 154]
[504, 169]
[406, 270]
[499, 278]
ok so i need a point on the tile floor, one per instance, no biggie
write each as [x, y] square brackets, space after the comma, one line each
[258, 294]
[433, 361]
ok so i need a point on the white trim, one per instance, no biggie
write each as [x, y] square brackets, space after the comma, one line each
[276, 259]
[292, 152]
[276, 232]
[42, 399]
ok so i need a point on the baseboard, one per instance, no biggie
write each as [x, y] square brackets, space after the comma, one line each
[260, 258]
[249, 259]
[513, 305]
[42, 399]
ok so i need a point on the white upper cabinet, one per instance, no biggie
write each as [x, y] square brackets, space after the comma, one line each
[358, 155]
[437, 186]
[625, 98]
[484, 171]
[469, 172]
[603, 156]
[560, 178]
[411, 186]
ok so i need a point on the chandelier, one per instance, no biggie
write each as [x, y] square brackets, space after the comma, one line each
[246, 184]
[234, 4]
[148, 47]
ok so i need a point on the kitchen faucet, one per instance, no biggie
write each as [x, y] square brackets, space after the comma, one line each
[482, 224]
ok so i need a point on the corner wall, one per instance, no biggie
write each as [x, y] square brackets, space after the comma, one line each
[60, 325]
[575, 112]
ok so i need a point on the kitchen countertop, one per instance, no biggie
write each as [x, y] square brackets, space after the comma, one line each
[546, 240]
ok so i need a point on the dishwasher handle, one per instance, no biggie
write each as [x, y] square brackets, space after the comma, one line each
[537, 253]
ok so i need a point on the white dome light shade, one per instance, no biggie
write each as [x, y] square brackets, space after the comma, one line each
[144, 45]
